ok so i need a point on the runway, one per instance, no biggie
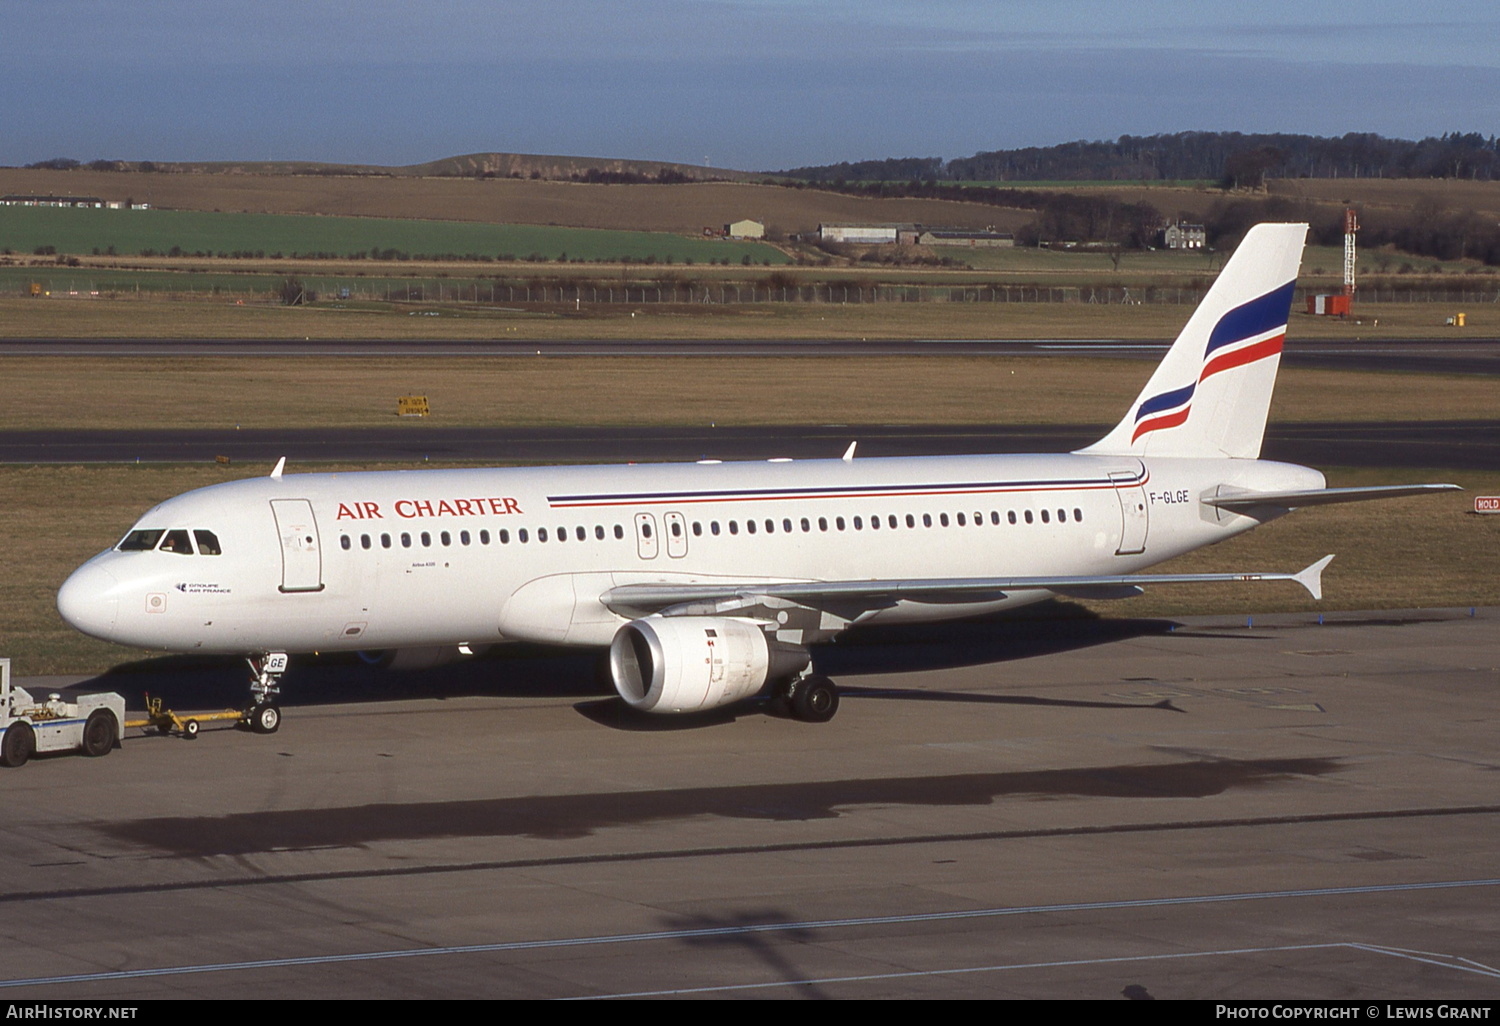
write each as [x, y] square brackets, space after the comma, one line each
[1459, 355]
[1464, 444]
[1209, 809]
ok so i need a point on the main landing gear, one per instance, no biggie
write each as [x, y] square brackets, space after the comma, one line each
[264, 715]
[810, 697]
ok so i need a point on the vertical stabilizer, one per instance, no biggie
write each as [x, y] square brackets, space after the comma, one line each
[1211, 393]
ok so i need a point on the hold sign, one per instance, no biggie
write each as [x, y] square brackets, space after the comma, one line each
[1487, 504]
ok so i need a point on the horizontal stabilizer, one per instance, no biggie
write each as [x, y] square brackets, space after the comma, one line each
[1311, 578]
[1321, 496]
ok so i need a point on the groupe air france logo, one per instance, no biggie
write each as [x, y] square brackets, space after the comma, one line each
[1250, 332]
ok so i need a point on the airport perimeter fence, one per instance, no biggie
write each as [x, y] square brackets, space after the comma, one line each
[646, 294]
[742, 295]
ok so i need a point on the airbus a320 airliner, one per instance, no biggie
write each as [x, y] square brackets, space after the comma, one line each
[709, 581]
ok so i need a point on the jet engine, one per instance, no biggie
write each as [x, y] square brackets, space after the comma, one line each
[681, 664]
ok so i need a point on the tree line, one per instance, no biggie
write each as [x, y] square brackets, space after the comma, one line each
[1228, 157]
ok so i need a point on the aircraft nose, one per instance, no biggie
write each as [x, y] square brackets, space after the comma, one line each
[89, 602]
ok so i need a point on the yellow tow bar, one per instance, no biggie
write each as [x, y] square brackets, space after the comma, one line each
[165, 721]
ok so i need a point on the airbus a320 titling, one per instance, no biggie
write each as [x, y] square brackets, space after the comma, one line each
[708, 581]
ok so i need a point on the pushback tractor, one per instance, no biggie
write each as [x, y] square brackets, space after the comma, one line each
[28, 726]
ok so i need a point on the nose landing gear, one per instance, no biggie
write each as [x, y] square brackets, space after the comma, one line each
[264, 714]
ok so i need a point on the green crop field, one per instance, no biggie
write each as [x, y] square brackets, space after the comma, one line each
[24, 230]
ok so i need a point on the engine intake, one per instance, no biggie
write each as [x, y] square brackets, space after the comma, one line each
[682, 664]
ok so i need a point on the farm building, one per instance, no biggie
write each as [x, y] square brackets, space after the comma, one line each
[965, 237]
[88, 202]
[1184, 236]
[51, 201]
[746, 229]
[861, 234]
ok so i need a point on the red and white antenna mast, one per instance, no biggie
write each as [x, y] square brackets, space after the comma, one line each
[1351, 225]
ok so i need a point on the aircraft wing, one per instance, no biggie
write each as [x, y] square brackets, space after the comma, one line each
[1236, 501]
[879, 593]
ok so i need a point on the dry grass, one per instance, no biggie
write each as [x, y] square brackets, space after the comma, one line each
[1428, 551]
[173, 317]
[1398, 195]
[38, 393]
[679, 208]
[684, 209]
[55, 518]
[1399, 554]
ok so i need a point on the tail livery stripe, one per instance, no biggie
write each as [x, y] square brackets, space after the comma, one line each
[1258, 329]
[1239, 357]
[1267, 313]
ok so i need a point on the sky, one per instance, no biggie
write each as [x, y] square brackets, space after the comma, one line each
[746, 84]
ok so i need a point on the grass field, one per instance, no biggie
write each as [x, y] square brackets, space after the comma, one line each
[37, 393]
[206, 316]
[487, 281]
[132, 232]
[680, 209]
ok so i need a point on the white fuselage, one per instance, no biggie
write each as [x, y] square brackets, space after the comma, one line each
[372, 561]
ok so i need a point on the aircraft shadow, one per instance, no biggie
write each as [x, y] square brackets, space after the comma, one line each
[1052, 627]
[537, 671]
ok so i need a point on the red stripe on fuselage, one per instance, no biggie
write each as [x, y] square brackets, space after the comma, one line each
[847, 496]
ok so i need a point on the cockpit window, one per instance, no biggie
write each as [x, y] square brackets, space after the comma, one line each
[140, 541]
[177, 541]
[208, 543]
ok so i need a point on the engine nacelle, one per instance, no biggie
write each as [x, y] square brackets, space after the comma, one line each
[680, 664]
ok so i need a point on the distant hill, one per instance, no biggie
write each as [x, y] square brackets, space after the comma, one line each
[471, 165]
